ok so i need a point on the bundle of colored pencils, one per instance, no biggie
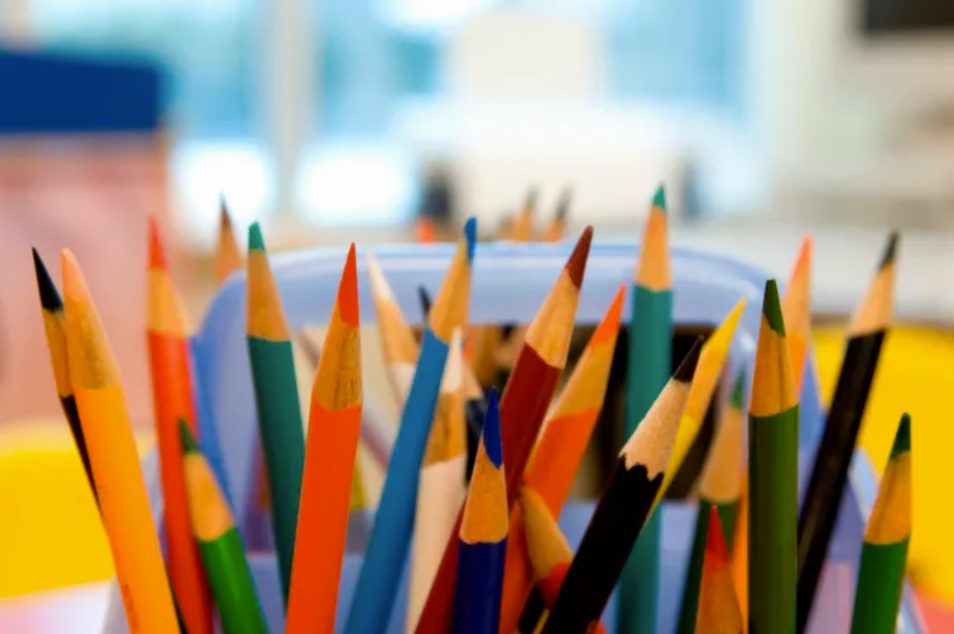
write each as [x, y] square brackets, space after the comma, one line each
[487, 553]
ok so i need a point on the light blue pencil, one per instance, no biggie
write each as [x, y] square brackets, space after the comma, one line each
[377, 586]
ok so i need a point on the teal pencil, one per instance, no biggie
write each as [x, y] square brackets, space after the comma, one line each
[650, 363]
[276, 397]
[377, 586]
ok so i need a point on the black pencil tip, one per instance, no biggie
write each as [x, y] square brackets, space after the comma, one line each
[687, 368]
[890, 251]
[49, 297]
[425, 298]
[563, 204]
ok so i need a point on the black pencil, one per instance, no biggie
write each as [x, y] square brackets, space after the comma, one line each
[622, 509]
[833, 457]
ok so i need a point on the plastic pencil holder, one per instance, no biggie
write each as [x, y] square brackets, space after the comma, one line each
[509, 282]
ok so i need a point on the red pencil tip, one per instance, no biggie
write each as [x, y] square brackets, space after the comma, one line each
[715, 542]
[576, 264]
[157, 254]
[348, 290]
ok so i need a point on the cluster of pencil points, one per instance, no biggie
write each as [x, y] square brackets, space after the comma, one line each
[475, 482]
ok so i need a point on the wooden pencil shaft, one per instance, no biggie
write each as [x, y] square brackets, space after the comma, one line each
[483, 565]
[829, 474]
[879, 588]
[232, 585]
[773, 482]
[619, 516]
[283, 443]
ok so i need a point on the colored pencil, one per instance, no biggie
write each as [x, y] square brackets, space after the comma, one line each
[885, 550]
[220, 545]
[333, 428]
[482, 539]
[522, 228]
[522, 408]
[475, 407]
[833, 456]
[712, 360]
[797, 311]
[719, 485]
[391, 536]
[107, 428]
[650, 362]
[169, 364]
[559, 452]
[228, 255]
[51, 308]
[718, 607]
[397, 339]
[773, 476]
[557, 227]
[276, 399]
[622, 510]
[550, 556]
[441, 491]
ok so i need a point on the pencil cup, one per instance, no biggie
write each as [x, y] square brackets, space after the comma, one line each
[509, 282]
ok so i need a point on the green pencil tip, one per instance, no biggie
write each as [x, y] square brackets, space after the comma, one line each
[737, 398]
[188, 441]
[659, 198]
[902, 438]
[255, 240]
[772, 308]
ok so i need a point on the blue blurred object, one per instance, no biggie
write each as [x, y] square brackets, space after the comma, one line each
[46, 93]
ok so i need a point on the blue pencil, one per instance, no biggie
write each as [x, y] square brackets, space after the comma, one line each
[387, 551]
[482, 542]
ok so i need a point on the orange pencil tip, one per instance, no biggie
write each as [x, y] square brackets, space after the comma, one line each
[576, 264]
[73, 282]
[157, 254]
[348, 290]
[609, 327]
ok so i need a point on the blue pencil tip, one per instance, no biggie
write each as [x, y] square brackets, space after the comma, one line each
[490, 436]
[470, 234]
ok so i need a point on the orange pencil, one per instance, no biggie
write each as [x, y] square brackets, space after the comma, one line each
[167, 334]
[122, 492]
[797, 311]
[718, 611]
[333, 427]
[558, 453]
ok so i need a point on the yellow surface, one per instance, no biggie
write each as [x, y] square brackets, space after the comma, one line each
[50, 535]
[916, 374]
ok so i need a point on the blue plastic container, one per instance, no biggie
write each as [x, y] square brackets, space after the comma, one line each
[509, 282]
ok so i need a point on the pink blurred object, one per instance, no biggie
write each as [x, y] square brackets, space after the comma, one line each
[93, 195]
[938, 615]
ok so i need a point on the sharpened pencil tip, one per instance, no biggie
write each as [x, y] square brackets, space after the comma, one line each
[425, 299]
[563, 205]
[902, 438]
[470, 234]
[715, 541]
[73, 283]
[687, 368]
[772, 308]
[890, 251]
[530, 200]
[659, 198]
[185, 436]
[576, 263]
[737, 398]
[157, 253]
[50, 298]
[255, 240]
[490, 434]
[348, 290]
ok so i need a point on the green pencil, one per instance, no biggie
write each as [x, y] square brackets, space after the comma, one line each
[719, 487]
[885, 551]
[276, 397]
[773, 477]
[650, 363]
[219, 544]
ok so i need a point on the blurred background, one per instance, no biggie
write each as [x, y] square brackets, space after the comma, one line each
[347, 119]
